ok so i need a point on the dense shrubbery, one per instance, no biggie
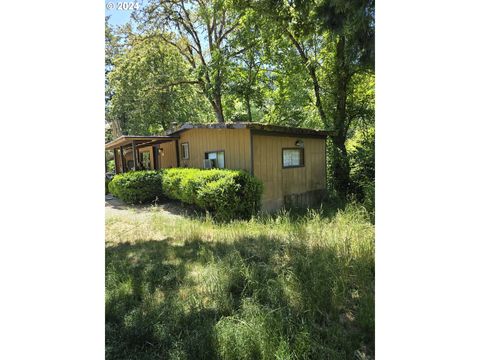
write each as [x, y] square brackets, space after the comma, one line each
[137, 186]
[111, 165]
[361, 150]
[227, 194]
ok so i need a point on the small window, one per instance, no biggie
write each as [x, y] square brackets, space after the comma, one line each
[185, 151]
[217, 159]
[292, 158]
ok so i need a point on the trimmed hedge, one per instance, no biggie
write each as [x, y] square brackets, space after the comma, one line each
[137, 187]
[228, 194]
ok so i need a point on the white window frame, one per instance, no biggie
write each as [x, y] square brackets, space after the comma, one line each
[215, 159]
[288, 159]
[185, 154]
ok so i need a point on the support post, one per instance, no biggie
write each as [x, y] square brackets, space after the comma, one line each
[155, 157]
[177, 152]
[134, 156]
[122, 159]
[115, 157]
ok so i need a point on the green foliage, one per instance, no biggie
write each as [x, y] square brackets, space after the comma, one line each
[228, 194]
[111, 165]
[206, 34]
[151, 88]
[137, 187]
[274, 287]
[361, 148]
[294, 63]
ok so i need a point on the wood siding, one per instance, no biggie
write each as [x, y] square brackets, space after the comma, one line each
[168, 156]
[281, 185]
[235, 143]
[280, 182]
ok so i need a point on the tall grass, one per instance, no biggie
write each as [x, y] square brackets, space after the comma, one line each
[276, 287]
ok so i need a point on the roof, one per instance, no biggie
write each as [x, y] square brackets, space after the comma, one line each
[140, 141]
[267, 128]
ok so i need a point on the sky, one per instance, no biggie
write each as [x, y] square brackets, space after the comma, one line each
[117, 16]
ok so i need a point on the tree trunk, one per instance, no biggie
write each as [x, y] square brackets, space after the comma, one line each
[217, 98]
[340, 163]
[316, 89]
[249, 108]
[340, 166]
[217, 107]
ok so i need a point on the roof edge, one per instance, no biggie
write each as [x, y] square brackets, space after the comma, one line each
[254, 126]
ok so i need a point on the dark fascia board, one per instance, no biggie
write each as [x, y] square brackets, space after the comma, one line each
[187, 126]
[126, 139]
[288, 134]
[257, 128]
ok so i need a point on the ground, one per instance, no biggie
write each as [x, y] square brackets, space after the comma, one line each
[179, 286]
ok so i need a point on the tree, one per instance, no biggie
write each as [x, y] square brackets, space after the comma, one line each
[149, 88]
[112, 47]
[201, 31]
[334, 42]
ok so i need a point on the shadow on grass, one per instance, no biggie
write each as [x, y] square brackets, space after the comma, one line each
[257, 297]
[329, 207]
[170, 206]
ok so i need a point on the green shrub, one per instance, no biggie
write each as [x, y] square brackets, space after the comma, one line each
[228, 194]
[111, 165]
[137, 186]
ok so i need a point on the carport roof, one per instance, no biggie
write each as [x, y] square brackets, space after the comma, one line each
[140, 141]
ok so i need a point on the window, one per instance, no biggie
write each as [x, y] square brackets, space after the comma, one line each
[185, 151]
[217, 158]
[146, 159]
[292, 157]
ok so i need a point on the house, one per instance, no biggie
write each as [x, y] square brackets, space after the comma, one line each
[291, 162]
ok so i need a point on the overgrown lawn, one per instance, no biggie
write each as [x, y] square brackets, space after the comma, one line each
[280, 287]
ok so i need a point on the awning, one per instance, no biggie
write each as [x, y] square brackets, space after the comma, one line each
[140, 141]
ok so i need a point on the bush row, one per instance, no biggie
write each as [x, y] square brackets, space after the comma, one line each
[227, 194]
[137, 187]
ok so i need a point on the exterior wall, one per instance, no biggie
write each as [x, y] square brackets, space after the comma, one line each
[167, 156]
[289, 186]
[299, 186]
[235, 143]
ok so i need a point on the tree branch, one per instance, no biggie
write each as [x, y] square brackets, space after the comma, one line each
[313, 75]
